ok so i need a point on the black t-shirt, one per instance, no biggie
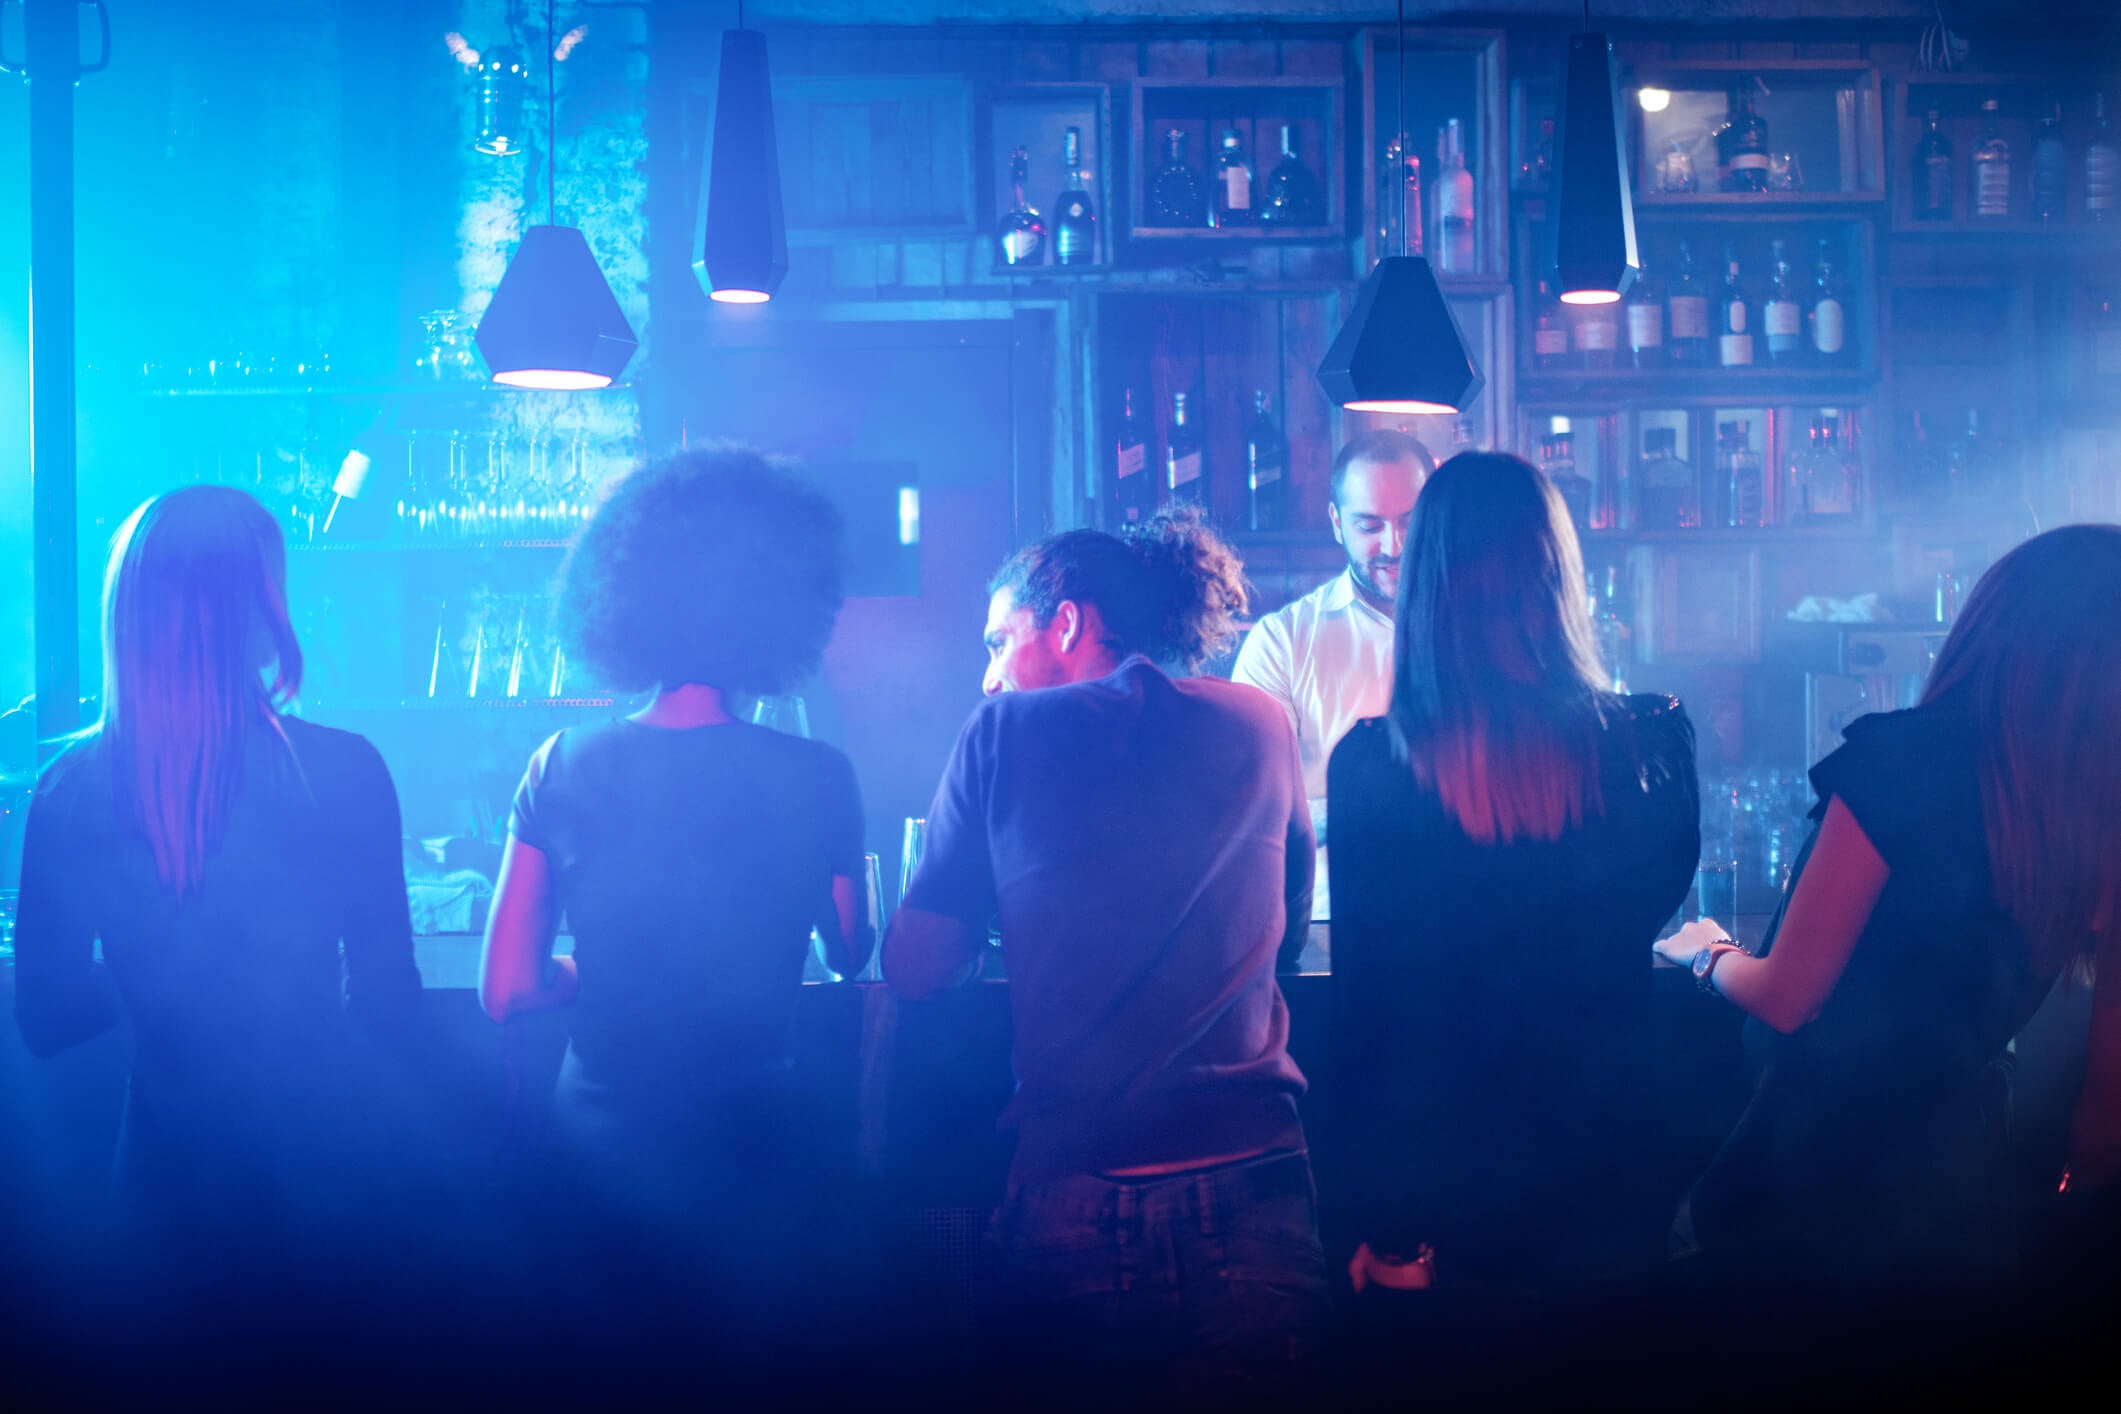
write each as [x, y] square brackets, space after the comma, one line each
[237, 995]
[1871, 1133]
[691, 865]
[1491, 1006]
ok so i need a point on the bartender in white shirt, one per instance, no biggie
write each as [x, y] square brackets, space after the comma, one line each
[1327, 657]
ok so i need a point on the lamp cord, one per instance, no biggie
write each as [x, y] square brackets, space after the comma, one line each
[552, 121]
[1404, 136]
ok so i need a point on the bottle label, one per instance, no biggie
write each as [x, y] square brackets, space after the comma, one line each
[1736, 350]
[1133, 459]
[1829, 327]
[1937, 184]
[1734, 317]
[1992, 189]
[1265, 473]
[1645, 326]
[1783, 319]
[1237, 189]
[1185, 469]
[1550, 343]
[1597, 335]
[1666, 472]
[1749, 161]
[1690, 317]
[2102, 177]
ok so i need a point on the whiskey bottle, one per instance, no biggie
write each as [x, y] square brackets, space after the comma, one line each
[1781, 317]
[2102, 166]
[1233, 184]
[1741, 145]
[2050, 167]
[1175, 197]
[1645, 319]
[1022, 237]
[1074, 219]
[1266, 469]
[1664, 484]
[1686, 310]
[1133, 489]
[1594, 334]
[1183, 482]
[1826, 322]
[1740, 471]
[1292, 189]
[1550, 332]
[1933, 173]
[1992, 166]
[1734, 342]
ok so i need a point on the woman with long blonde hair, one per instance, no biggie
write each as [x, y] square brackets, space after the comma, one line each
[223, 853]
[1967, 855]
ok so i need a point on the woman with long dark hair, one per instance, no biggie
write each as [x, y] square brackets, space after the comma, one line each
[233, 861]
[1507, 840]
[1967, 854]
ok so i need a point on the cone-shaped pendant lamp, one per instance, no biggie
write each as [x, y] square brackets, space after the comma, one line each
[1401, 349]
[553, 322]
[1595, 259]
[743, 238]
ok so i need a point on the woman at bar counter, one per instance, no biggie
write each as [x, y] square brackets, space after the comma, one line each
[691, 854]
[1967, 853]
[222, 852]
[1507, 840]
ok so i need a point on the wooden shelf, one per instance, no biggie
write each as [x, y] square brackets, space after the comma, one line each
[1258, 234]
[1695, 385]
[1737, 205]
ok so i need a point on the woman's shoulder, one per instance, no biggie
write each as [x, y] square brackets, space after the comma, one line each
[315, 744]
[1368, 742]
[1650, 734]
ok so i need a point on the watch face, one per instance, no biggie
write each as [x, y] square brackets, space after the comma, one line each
[1702, 960]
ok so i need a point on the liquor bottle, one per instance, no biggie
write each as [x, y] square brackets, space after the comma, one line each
[1922, 463]
[1175, 197]
[1399, 225]
[1822, 479]
[1741, 145]
[1933, 173]
[1233, 184]
[1575, 489]
[1182, 458]
[1992, 166]
[1456, 244]
[1292, 189]
[1594, 335]
[1645, 319]
[1074, 219]
[1740, 472]
[1022, 235]
[1665, 496]
[1734, 343]
[2050, 167]
[1550, 332]
[1686, 313]
[2102, 167]
[1782, 317]
[1826, 322]
[1266, 469]
[1134, 490]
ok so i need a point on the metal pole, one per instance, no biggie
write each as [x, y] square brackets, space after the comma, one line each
[52, 64]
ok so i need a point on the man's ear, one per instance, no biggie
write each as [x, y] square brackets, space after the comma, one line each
[1068, 624]
[1333, 515]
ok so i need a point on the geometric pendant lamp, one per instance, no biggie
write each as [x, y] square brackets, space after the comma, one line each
[743, 237]
[553, 322]
[1401, 349]
[1595, 257]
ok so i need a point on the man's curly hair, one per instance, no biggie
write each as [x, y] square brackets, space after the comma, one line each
[716, 566]
[1170, 588]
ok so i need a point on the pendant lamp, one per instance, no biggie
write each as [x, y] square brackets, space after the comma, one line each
[553, 322]
[1401, 349]
[1595, 257]
[743, 238]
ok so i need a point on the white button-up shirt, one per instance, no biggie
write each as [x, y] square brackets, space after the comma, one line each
[1327, 659]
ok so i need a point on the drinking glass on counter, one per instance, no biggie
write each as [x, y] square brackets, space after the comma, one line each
[1716, 891]
[873, 906]
[913, 846]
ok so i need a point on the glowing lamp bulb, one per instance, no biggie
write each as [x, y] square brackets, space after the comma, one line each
[1400, 405]
[558, 380]
[1590, 296]
[1654, 100]
[740, 296]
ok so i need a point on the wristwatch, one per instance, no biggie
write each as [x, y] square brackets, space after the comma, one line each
[1705, 963]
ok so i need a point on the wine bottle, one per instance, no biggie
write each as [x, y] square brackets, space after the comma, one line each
[1457, 246]
[1741, 144]
[1992, 166]
[1176, 198]
[1022, 237]
[1734, 344]
[1183, 481]
[1594, 334]
[1292, 189]
[1686, 311]
[1826, 322]
[2102, 166]
[1074, 219]
[2050, 167]
[1781, 317]
[1134, 490]
[1645, 318]
[1933, 173]
[1550, 333]
[1266, 466]
[1233, 184]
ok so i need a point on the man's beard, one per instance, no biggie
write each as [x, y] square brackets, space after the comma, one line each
[1365, 577]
